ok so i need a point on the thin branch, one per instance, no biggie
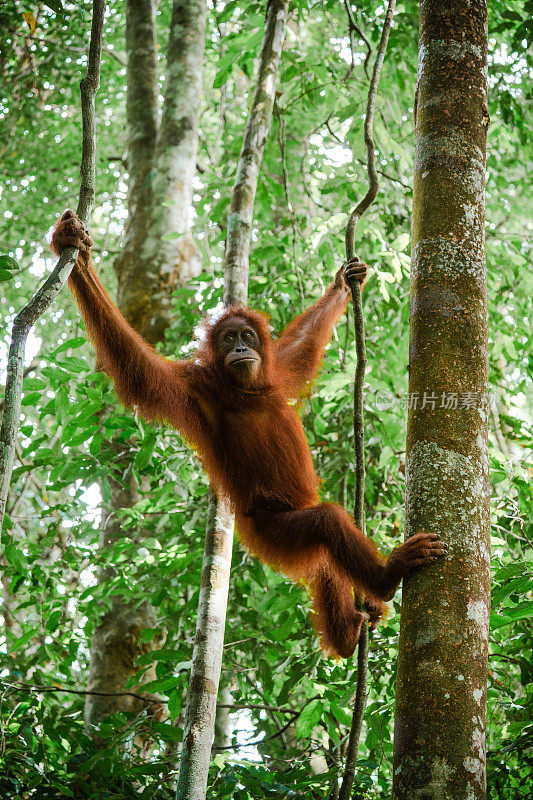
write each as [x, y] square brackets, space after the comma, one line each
[373, 181]
[275, 735]
[388, 176]
[359, 437]
[260, 707]
[42, 300]
[360, 160]
[354, 28]
[22, 686]
[33, 687]
[81, 50]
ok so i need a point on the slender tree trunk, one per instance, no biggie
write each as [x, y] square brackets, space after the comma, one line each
[439, 749]
[161, 167]
[207, 654]
[253, 145]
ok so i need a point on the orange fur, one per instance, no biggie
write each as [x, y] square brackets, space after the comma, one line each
[251, 442]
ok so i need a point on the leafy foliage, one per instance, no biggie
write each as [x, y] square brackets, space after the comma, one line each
[289, 731]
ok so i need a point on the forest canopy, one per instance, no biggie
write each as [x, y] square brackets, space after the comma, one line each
[78, 448]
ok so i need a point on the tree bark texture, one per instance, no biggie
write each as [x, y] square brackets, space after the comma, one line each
[177, 148]
[439, 749]
[133, 294]
[116, 643]
[207, 654]
[253, 144]
[161, 163]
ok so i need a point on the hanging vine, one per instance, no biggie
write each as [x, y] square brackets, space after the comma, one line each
[359, 432]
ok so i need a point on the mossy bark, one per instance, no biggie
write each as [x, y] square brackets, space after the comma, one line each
[439, 749]
[159, 251]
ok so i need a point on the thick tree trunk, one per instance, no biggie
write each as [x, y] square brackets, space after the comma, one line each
[133, 295]
[207, 654]
[161, 167]
[439, 749]
[161, 163]
[170, 259]
[115, 645]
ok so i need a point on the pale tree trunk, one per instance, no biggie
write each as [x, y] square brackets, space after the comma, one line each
[439, 748]
[161, 168]
[253, 144]
[159, 251]
[207, 653]
[223, 722]
[175, 158]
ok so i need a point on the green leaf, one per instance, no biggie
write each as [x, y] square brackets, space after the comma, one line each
[44, 455]
[386, 454]
[142, 458]
[80, 437]
[70, 344]
[174, 704]
[33, 383]
[55, 5]
[31, 399]
[162, 685]
[96, 443]
[498, 621]
[520, 585]
[227, 11]
[24, 639]
[8, 263]
[309, 718]
[15, 557]
[73, 364]
[520, 611]
[53, 620]
[158, 655]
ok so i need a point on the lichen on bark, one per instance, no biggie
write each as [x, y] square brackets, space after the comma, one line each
[439, 751]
